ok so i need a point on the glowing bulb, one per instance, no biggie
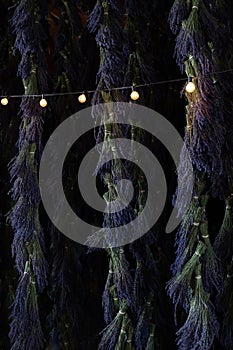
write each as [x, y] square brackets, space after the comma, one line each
[82, 98]
[134, 95]
[4, 101]
[43, 102]
[190, 87]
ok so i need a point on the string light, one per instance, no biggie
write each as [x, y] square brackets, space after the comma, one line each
[82, 98]
[43, 102]
[190, 87]
[134, 95]
[4, 101]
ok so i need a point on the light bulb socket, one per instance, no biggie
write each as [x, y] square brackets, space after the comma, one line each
[190, 79]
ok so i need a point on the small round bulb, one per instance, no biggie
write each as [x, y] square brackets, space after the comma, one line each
[82, 98]
[190, 87]
[4, 101]
[134, 95]
[43, 102]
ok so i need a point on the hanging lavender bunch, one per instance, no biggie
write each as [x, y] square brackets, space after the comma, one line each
[197, 51]
[112, 332]
[179, 287]
[121, 275]
[28, 27]
[195, 225]
[26, 332]
[139, 289]
[117, 213]
[193, 242]
[188, 231]
[124, 338]
[197, 27]
[205, 135]
[142, 330]
[108, 296]
[146, 276]
[178, 14]
[28, 247]
[105, 21]
[201, 326]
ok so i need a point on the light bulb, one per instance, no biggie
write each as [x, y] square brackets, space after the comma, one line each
[43, 102]
[82, 98]
[134, 95]
[190, 87]
[4, 101]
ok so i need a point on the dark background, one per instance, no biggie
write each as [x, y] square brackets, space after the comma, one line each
[88, 270]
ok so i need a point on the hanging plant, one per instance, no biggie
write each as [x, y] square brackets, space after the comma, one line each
[198, 275]
[28, 247]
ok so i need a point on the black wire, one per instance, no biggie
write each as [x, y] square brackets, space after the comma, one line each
[115, 88]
